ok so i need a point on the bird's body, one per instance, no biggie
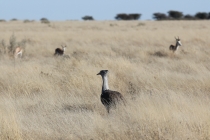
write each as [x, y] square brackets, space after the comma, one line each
[109, 98]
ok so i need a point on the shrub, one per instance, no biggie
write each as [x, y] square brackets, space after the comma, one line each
[87, 18]
[44, 20]
[14, 19]
[26, 21]
[3, 47]
[2, 20]
[9, 49]
[12, 44]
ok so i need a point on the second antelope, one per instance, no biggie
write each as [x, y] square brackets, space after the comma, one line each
[18, 52]
[178, 43]
[60, 51]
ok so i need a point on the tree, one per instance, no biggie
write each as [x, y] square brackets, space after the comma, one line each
[175, 14]
[189, 17]
[121, 16]
[134, 16]
[202, 15]
[124, 16]
[160, 16]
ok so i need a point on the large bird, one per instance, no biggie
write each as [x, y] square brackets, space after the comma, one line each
[109, 98]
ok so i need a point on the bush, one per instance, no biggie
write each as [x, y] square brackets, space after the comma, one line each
[9, 49]
[2, 20]
[3, 47]
[87, 18]
[44, 20]
[12, 44]
[14, 19]
[26, 21]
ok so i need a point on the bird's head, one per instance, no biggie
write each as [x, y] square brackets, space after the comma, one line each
[103, 72]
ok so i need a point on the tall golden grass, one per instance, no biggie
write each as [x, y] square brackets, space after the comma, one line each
[47, 97]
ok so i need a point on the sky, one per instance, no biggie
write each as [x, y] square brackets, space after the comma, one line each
[59, 10]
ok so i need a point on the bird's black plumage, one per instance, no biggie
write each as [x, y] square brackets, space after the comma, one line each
[110, 98]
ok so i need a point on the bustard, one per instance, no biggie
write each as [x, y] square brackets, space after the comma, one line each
[60, 51]
[109, 98]
[178, 43]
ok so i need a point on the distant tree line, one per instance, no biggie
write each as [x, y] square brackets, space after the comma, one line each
[170, 15]
[177, 15]
[121, 16]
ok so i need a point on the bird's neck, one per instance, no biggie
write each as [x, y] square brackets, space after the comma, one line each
[105, 85]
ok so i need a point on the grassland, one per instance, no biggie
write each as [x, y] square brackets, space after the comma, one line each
[47, 97]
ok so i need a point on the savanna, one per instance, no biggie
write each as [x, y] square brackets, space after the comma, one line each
[48, 97]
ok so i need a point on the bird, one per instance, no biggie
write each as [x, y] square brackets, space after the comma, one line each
[109, 98]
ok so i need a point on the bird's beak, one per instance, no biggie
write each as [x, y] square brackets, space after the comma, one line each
[98, 73]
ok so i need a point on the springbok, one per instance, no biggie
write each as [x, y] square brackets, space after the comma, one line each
[60, 51]
[18, 52]
[178, 43]
[109, 98]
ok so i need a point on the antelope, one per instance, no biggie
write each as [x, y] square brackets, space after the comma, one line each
[178, 43]
[18, 52]
[60, 51]
[109, 98]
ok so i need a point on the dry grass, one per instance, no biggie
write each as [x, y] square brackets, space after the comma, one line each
[46, 97]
